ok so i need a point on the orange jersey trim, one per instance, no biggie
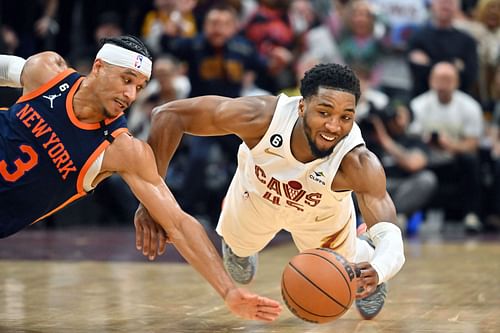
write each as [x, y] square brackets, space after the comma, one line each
[86, 166]
[93, 157]
[61, 206]
[46, 86]
[119, 131]
[72, 115]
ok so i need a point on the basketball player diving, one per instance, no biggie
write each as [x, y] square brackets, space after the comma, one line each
[300, 160]
[68, 132]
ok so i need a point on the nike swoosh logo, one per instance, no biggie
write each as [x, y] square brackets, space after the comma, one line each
[318, 219]
[268, 151]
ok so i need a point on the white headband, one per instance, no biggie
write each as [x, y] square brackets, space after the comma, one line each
[120, 56]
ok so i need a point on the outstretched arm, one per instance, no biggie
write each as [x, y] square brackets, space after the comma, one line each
[134, 161]
[362, 172]
[247, 117]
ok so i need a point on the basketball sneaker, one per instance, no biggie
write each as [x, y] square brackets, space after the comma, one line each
[241, 269]
[371, 305]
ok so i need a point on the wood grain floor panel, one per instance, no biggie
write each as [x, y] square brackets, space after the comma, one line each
[444, 287]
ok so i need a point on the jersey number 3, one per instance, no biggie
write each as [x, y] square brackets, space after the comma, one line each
[21, 167]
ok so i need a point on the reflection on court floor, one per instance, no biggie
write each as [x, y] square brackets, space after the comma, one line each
[102, 285]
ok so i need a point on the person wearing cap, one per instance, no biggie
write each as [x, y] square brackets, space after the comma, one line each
[67, 133]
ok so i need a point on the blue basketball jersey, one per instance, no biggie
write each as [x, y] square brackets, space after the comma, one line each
[45, 152]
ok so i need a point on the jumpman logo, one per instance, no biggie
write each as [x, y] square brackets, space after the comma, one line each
[51, 98]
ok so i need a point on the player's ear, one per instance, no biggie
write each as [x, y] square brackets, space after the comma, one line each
[97, 66]
[301, 107]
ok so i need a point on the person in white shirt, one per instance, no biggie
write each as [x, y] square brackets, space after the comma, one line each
[451, 122]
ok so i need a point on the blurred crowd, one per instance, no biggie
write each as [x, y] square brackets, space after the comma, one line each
[430, 74]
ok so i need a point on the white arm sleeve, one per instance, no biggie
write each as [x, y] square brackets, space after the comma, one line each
[389, 256]
[10, 70]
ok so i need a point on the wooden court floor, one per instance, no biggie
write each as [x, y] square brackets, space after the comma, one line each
[445, 286]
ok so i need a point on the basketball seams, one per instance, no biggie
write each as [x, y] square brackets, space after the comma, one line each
[286, 297]
[333, 264]
[317, 287]
[313, 291]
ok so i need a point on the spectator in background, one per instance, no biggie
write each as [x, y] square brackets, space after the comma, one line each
[302, 18]
[303, 64]
[35, 31]
[108, 25]
[336, 16]
[451, 122]
[8, 40]
[8, 44]
[243, 7]
[494, 217]
[270, 30]
[217, 61]
[360, 44]
[405, 159]
[315, 39]
[174, 17]
[440, 41]
[485, 28]
[401, 17]
[217, 58]
[372, 99]
[86, 14]
[371, 102]
[167, 84]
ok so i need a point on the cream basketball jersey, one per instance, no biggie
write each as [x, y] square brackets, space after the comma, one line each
[271, 191]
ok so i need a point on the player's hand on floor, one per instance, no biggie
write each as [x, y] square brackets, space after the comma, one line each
[367, 279]
[251, 306]
[150, 237]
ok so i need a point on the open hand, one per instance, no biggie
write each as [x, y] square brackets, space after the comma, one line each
[247, 305]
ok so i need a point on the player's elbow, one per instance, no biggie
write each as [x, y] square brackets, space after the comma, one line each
[183, 228]
[165, 108]
[159, 114]
[165, 115]
[157, 111]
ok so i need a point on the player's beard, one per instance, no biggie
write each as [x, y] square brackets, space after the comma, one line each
[316, 151]
[107, 114]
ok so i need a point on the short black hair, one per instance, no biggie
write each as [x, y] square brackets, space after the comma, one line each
[223, 6]
[129, 42]
[331, 75]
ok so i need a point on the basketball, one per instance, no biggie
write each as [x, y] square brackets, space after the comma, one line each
[318, 285]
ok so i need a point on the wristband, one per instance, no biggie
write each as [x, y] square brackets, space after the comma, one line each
[388, 257]
[11, 68]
